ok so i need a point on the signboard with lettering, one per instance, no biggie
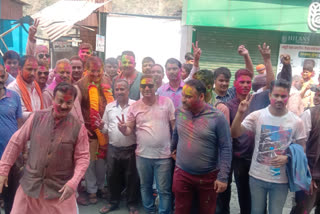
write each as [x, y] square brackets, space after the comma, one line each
[299, 54]
[100, 43]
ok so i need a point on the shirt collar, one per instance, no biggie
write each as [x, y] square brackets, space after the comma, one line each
[167, 86]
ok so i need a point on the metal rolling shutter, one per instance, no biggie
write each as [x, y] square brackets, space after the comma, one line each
[219, 47]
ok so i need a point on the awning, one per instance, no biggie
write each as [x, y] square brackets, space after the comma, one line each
[57, 19]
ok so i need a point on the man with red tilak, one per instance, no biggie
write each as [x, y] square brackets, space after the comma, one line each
[57, 159]
[94, 92]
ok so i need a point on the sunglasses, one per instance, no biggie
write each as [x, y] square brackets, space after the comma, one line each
[45, 73]
[42, 55]
[145, 85]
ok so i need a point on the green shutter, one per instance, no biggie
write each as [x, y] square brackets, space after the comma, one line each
[219, 47]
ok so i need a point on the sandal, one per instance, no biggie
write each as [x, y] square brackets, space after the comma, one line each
[82, 200]
[108, 208]
[93, 198]
[133, 210]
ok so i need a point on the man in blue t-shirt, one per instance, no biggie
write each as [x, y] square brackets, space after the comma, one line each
[10, 120]
[202, 142]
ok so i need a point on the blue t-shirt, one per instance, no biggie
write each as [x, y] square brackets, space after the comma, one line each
[203, 142]
[10, 111]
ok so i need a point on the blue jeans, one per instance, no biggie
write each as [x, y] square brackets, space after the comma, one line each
[260, 189]
[161, 170]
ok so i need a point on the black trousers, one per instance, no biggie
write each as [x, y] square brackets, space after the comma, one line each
[9, 192]
[240, 167]
[122, 172]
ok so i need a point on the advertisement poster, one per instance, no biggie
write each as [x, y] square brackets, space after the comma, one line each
[301, 48]
[99, 43]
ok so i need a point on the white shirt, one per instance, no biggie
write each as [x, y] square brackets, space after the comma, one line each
[272, 131]
[116, 138]
[306, 118]
[34, 97]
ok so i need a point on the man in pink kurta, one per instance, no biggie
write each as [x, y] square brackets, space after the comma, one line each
[57, 159]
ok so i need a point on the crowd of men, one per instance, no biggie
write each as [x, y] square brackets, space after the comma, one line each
[182, 141]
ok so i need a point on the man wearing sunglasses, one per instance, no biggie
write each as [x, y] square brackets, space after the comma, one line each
[151, 119]
[42, 75]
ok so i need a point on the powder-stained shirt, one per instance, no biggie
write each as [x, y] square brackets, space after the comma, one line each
[116, 138]
[152, 127]
[34, 97]
[203, 142]
[175, 95]
[10, 111]
[231, 93]
[9, 80]
[272, 131]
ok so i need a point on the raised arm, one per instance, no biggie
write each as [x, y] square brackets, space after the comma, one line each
[31, 43]
[247, 59]
[286, 71]
[236, 128]
[265, 52]
[196, 55]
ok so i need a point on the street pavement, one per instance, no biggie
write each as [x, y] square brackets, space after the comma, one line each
[234, 206]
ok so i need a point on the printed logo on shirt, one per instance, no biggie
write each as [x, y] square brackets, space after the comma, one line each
[272, 136]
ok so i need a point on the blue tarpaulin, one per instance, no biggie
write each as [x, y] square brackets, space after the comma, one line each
[16, 40]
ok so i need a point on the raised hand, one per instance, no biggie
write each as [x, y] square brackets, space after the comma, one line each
[242, 50]
[285, 59]
[244, 105]
[196, 53]
[265, 51]
[33, 30]
[122, 126]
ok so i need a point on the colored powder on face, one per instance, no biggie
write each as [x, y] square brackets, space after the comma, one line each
[146, 81]
[187, 90]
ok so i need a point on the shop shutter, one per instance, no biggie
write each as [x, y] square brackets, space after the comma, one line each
[219, 47]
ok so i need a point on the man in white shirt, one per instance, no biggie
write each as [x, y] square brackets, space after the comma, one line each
[275, 129]
[121, 158]
[26, 86]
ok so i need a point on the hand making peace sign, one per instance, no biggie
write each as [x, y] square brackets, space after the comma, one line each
[122, 126]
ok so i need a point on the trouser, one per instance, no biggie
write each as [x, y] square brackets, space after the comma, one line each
[223, 199]
[184, 187]
[95, 175]
[241, 169]
[260, 190]
[305, 202]
[122, 171]
[161, 169]
[10, 191]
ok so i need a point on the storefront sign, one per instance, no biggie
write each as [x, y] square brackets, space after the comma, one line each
[314, 16]
[99, 43]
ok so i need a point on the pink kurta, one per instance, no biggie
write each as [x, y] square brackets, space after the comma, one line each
[28, 205]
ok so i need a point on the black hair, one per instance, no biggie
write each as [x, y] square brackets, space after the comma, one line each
[121, 80]
[148, 59]
[23, 60]
[11, 55]
[188, 56]
[111, 61]
[173, 61]
[65, 87]
[198, 85]
[280, 83]
[187, 67]
[222, 70]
